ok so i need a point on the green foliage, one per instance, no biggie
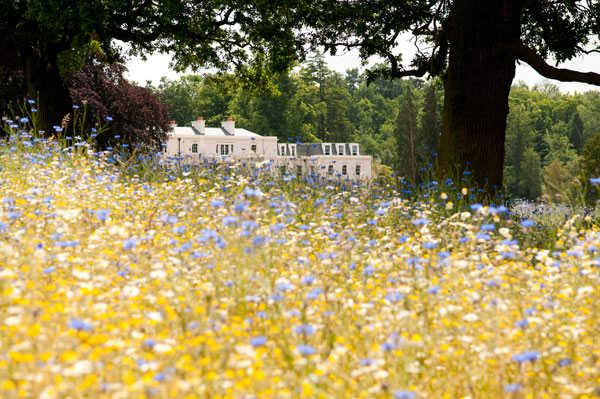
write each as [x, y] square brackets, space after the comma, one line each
[576, 131]
[431, 121]
[556, 178]
[314, 104]
[530, 184]
[519, 137]
[590, 166]
[407, 141]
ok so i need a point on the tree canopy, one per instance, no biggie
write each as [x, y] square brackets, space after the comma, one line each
[472, 44]
[47, 39]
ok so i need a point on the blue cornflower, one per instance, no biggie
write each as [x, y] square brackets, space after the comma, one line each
[314, 294]
[522, 323]
[564, 362]
[258, 341]
[404, 394]
[305, 329]
[130, 243]
[527, 223]
[595, 181]
[306, 350]
[482, 236]
[513, 387]
[527, 356]
[420, 222]
[475, 207]
[430, 244]
[488, 227]
[434, 289]
[498, 210]
[66, 244]
[109, 118]
[217, 203]
[80, 325]
[308, 280]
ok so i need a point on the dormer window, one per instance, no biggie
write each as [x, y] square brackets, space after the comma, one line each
[282, 150]
[340, 149]
[354, 150]
[293, 150]
[327, 149]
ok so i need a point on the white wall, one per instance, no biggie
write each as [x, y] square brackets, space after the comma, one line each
[321, 164]
[207, 146]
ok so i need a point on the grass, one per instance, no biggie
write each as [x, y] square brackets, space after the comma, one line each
[125, 278]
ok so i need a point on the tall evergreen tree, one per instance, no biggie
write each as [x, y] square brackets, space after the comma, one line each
[405, 133]
[576, 131]
[431, 121]
[519, 137]
[530, 183]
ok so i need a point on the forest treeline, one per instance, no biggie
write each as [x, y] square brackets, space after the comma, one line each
[399, 122]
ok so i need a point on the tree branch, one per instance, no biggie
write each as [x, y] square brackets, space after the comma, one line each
[564, 75]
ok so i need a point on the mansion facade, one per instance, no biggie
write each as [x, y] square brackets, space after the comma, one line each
[343, 160]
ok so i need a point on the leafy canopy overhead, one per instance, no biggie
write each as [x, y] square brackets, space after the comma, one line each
[561, 29]
[252, 38]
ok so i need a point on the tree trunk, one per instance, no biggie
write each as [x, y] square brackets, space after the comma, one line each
[45, 85]
[483, 38]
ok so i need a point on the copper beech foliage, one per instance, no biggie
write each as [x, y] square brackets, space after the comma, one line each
[138, 117]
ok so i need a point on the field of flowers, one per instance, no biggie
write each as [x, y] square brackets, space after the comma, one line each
[218, 281]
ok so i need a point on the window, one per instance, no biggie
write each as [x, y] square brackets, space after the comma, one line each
[195, 148]
[354, 150]
[299, 170]
[357, 170]
[293, 150]
[253, 148]
[344, 170]
[327, 149]
[282, 170]
[340, 150]
[223, 149]
[330, 169]
[282, 150]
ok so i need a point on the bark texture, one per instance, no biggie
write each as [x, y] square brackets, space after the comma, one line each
[484, 39]
[45, 84]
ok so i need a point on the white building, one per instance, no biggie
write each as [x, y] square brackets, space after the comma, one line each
[199, 142]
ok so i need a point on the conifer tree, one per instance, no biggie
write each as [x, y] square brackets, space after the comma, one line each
[405, 133]
[431, 122]
[576, 131]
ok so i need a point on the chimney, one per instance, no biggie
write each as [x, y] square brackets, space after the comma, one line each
[173, 125]
[199, 125]
[229, 126]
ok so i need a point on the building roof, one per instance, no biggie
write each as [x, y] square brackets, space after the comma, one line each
[309, 149]
[187, 131]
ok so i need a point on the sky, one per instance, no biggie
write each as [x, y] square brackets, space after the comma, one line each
[157, 65]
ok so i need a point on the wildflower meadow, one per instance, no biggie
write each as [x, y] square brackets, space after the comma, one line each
[146, 277]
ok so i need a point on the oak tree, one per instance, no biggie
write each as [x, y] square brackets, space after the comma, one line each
[46, 39]
[474, 45]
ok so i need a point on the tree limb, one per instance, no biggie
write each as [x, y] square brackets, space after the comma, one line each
[564, 75]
